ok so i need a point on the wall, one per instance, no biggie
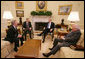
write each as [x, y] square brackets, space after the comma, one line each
[76, 6]
[51, 6]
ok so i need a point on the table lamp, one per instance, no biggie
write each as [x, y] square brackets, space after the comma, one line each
[73, 17]
[8, 16]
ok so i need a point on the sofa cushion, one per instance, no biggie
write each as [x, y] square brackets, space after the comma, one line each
[3, 34]
[6, 48]
[4, 43]
[81, 41]
[70, 53]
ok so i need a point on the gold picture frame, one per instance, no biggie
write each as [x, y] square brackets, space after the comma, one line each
[64, 9]
[19, 5]
[19, 13]
[41, 5]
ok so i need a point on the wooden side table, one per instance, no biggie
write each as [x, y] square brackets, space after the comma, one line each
[62, 33]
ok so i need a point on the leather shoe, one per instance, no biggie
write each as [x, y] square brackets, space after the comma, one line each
[38, 35]
[42, 41]
[46, 54]
[15, 50]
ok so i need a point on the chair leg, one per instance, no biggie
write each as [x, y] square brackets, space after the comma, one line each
[25, 37]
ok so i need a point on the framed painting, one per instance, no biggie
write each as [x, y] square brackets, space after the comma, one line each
[19, 5]
[41, 5]
[64, 9]
[19, 13]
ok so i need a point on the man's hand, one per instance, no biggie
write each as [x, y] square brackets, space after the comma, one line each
[30, 28]
[19, 36]
[50, 30]
[23, 28]
[62, 37]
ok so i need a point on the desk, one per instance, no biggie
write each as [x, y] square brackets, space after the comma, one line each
[30, 49]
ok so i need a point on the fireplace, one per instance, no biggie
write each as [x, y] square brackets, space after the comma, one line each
[38, 22]
[40, 25]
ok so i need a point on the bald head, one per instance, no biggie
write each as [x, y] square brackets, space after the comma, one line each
[75, 27]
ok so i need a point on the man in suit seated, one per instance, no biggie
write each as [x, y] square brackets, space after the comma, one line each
[70, 39]
[13, 36]
[48, 28]
[27, 27]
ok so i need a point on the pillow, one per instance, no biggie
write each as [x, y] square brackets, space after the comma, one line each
[81, 39]
[80, 43]
[77, 47]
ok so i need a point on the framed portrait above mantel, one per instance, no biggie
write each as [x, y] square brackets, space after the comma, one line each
[64, 9]
[41, 5]
[19, 5]
[19, 13]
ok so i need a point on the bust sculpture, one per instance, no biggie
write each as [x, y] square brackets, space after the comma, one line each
[62, 22]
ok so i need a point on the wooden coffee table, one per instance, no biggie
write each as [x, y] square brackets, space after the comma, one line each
[30, 49]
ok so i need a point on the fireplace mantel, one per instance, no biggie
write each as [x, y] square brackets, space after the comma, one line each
[39, 19]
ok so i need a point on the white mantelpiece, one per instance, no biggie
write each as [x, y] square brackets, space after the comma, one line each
[39, 19]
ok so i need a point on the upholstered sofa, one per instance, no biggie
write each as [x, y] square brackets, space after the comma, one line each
[64, 52]
[67, 52]
[6, 47]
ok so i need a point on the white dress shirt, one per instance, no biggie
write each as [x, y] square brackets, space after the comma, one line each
[14, 27]
[27, 25]
[49, 24]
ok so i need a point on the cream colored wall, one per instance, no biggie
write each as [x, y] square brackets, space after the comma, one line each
[76, 6]
[51, 6]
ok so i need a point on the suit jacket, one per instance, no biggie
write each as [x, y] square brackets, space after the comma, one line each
[12, 34]
[73, 37]
[51, 27]
[24, 24]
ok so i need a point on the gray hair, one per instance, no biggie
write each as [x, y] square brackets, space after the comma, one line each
[76, 26]
[13, 21]
[27, 18]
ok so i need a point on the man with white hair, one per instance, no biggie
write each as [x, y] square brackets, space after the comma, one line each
[13, 35]
[70, 39]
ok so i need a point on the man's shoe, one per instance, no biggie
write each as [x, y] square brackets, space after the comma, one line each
[38, 34]
[42, 41]
[15, 50]
[50, 48]
[54, 53]
[46, 54]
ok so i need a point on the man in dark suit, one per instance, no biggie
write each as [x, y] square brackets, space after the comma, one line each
[70, 39]
[13, 36]
[27, 27]
[48, 28]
